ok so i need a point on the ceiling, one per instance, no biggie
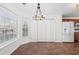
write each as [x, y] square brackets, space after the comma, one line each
[29, 9]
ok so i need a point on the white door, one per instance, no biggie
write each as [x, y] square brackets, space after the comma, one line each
[68, 32]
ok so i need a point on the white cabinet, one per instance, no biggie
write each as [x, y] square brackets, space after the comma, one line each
[68, 32]
[32, 30]
[52, 30]
[49, 30]
[43, 31]
[58, 31]
[46, 30]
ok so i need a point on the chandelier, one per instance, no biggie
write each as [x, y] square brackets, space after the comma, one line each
[38, 15]
[76, 6]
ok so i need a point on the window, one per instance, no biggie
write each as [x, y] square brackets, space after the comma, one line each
[8, 25]
[25, 29]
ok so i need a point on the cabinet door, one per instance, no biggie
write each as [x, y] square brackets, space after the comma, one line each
[46, 31]
[76, 36]
[52, 30]
[58, 31]
[68, 31]
[43, 30]
[32, 32]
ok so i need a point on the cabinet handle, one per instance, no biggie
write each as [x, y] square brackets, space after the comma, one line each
[65, 30]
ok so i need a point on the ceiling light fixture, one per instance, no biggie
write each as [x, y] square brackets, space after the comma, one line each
[24, 3]
[76, 6]
[39, 15]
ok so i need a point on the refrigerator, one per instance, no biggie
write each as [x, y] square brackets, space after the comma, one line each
[68, 31]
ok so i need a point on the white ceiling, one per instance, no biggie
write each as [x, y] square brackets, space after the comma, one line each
[29, 9]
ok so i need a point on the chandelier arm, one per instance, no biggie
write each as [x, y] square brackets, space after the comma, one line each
[40, 12]
[36, 11]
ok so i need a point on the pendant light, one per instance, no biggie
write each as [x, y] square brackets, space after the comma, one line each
[38, 15]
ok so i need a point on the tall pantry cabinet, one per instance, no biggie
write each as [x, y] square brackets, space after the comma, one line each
[48, 30]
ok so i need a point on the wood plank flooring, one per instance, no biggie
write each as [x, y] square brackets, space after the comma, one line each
[47, 48]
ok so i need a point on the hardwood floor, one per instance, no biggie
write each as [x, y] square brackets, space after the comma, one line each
[47, 48]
